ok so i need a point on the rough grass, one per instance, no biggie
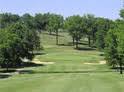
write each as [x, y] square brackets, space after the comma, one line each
[67, 74]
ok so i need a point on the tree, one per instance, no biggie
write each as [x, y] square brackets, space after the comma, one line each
[7, 19]
[8, 44]
[115, 48]
[32, 34]
[28, 20]
[120, 49]
[100, 37]
[41, 21]
[26, 36]
[75, 27]
[90, 26]
[122, 13]
[111, 48]
[55, 23]
[115, 44]
[102, 27]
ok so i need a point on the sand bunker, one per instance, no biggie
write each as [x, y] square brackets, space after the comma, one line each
[36, 61]
[100, 63]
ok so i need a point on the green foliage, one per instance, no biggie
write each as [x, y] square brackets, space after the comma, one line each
[102, 27]
[55, 22]
[8, 44]
[115, 48]
[28, 20]
[29, 38]
[100, 39]
[17, 42]
[7, 19]
[41, 21]
[75, 26]
[111, 48]
[122, 13]
[89, 21]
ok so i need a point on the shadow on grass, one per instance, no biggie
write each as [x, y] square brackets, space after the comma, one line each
[3, 76]
[62, 72]
[85, 49]
[83, 43]
[8, 73]
[21, 71]
[25, 71]
[53, 34]
[38, 53]
[65, 44]
[117, 68]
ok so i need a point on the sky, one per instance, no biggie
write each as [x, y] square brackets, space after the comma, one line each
[100, 8]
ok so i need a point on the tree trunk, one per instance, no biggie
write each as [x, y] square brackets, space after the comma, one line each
[50, 32]
[57, 41]
[89, 41]
[7, 66]
[121, 68]
[73, 41]
[76, 43]
[93, 38]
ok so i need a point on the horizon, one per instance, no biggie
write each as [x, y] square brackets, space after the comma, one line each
[107, 9]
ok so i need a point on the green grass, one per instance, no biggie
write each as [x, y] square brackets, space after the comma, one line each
[89, 82]
[67, 74]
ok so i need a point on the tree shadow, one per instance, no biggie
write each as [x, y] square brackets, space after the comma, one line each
[8, 73]
[39, 53]
[117, 68]
[61, 72]
[4, 76]
[83, 43]
[21, 71]
[53, 34]
[85, 49]
[102, 54]
[65, 44]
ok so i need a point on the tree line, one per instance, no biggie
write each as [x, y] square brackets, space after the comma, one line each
[20, 35]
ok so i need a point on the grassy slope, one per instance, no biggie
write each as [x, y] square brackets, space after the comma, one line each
[68, 74]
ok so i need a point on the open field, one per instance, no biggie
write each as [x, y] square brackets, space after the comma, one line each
[68, 72]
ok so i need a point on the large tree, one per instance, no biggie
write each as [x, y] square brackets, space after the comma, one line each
[75, 27]
[29, 38]
[115, 48]
[89, 21]
[102, 27]
[28, 20]
[55, 23]
[111, 52]
[7, 19]
[41, 21]
[8, 48]
[122, 13]
[17, 42]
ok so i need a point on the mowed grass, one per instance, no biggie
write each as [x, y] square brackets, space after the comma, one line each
[69, 73]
